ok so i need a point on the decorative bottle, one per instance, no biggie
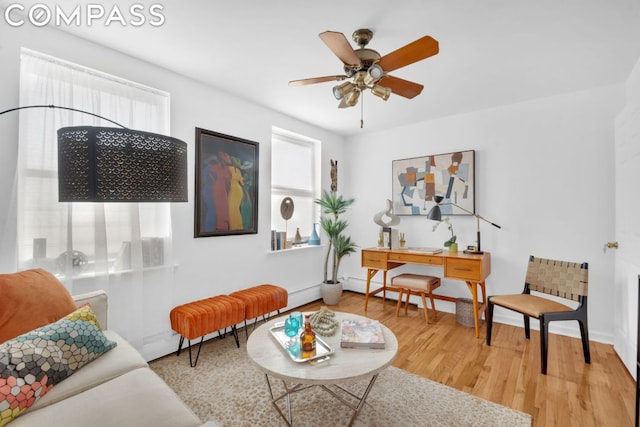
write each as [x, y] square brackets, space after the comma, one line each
[297, 239]
[314, 239]
[307, 339]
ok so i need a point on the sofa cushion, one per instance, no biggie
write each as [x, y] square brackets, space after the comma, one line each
[118, 361]
[99, 303]
[138, 398]
[32, 363]
[31, 299]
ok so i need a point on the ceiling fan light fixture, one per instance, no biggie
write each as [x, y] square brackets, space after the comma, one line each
[359, 77]
[381, 92]
[343, 89]
[374, 73]
[352, 98]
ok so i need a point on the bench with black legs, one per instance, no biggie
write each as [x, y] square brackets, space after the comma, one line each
[261, 300]
[199, 318]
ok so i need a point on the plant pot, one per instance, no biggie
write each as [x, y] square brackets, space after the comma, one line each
[453, 247]
[331, 293]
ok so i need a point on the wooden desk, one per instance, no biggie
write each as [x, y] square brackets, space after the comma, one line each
[472, 269]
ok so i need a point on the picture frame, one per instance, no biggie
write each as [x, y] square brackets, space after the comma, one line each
[417, 180]
[226, 185]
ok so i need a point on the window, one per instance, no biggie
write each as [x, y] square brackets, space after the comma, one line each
[99, 232]
[295, 173]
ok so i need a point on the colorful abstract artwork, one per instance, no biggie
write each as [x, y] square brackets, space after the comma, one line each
[417, 180]
[226, 185]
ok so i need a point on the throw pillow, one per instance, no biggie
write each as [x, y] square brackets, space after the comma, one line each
[31, 299]
[32, 363]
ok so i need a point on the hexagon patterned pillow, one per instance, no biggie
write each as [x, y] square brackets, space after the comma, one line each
[32, 363]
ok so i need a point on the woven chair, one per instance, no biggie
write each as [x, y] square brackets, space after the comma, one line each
[559, 278]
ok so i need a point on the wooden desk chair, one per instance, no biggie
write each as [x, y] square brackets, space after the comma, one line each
[559, 278]
[416, 284]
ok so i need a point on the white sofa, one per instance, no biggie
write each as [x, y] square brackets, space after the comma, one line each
[117, 389]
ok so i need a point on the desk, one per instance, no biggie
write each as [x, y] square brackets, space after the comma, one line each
[344, 364]
[473, 269]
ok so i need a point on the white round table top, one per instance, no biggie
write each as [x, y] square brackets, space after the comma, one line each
[346, 363]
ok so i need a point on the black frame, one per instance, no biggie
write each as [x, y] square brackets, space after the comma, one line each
[215, 152]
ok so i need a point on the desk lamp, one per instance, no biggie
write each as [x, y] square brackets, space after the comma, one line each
[435, 214]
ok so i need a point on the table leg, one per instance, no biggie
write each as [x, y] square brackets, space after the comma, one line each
[287, 395]
[370, 273]
[361, 399]
[473, 288]
[299, 387]
[484, 300]
[384, 286]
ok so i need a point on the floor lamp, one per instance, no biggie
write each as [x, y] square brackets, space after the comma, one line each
[435, 214]
[108, 164]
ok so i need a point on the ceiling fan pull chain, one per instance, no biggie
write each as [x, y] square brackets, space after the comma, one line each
[361, 112]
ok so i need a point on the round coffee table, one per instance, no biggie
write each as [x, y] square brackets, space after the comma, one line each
[343, 365]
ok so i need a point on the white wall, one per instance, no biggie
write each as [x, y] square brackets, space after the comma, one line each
[206, 266]
[544, 172]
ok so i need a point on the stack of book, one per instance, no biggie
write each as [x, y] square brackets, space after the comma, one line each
[278, 240]
[361, 333]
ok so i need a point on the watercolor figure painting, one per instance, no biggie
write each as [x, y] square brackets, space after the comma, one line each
[226, 201]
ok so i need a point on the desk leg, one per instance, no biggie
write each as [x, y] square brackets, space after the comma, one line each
[473, 288]
[370, 273]
[384, 286]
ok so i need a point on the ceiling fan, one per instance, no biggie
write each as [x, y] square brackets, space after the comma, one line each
[367, 69]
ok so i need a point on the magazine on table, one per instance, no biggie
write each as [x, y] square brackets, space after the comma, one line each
[361, 333]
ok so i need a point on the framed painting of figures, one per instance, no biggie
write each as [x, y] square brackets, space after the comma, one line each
[226, 185]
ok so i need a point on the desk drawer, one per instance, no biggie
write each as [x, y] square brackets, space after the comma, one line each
[373, 259]
[465, 269]
[425, 259]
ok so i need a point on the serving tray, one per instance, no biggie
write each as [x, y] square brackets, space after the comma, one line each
[323, 350]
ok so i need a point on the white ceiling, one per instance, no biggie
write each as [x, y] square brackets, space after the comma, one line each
[492, 52]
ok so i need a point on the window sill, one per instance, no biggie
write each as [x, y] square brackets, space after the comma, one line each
[296, 248]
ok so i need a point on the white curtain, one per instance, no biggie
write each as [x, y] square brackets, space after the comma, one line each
[123, 248]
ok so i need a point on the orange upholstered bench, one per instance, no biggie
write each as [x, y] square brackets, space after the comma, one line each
[202, 317]
[260, 301]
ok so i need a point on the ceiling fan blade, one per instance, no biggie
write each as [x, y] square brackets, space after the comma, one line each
[413, 52]
[313, 80]
[401, 87]
[341, 47]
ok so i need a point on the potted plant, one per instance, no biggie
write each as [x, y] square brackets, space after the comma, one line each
[340, 245]
[451, 243]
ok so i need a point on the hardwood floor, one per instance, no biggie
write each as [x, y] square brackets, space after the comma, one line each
[508, 372]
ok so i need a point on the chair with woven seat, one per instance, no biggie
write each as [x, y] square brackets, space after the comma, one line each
[558, 278]
[416, 284]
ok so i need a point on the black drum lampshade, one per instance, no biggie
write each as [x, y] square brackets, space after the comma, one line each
[104, 164]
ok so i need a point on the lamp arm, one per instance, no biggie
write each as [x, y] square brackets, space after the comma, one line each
[486, 220]
[479, 217]
[62, 108]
